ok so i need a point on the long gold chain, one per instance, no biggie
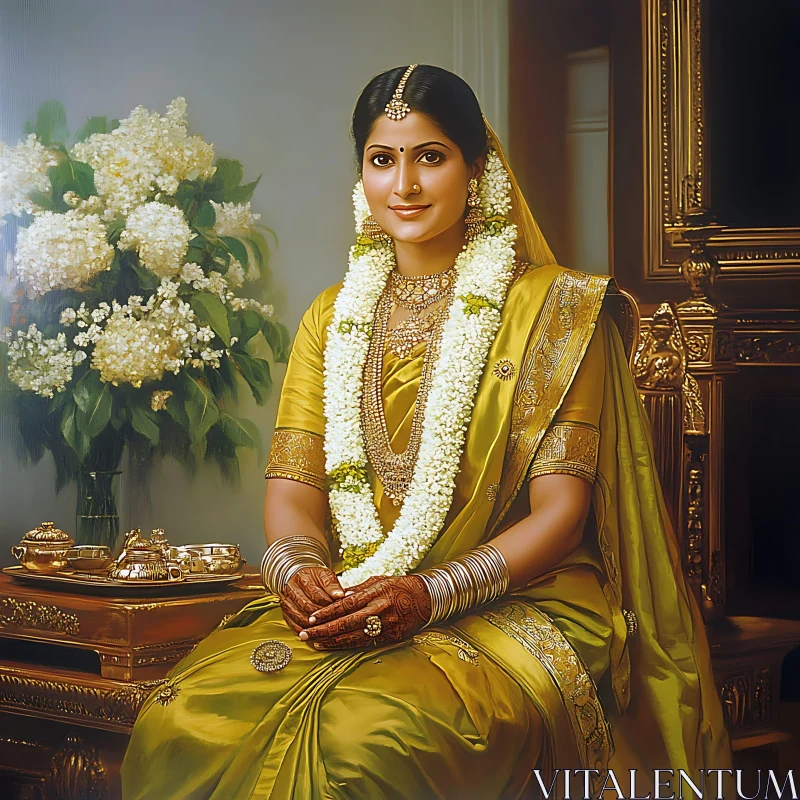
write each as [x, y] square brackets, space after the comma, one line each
[395, 470]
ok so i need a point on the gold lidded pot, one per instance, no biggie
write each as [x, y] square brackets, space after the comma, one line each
[143, 560]
[44, 549]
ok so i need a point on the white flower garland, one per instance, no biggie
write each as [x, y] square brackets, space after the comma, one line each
[484, 270]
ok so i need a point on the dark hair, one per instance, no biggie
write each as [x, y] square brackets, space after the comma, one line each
[442, 96]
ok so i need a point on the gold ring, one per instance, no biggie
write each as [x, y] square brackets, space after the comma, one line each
[374, 626]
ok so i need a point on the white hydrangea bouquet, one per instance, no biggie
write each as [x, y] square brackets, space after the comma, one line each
[130, 303]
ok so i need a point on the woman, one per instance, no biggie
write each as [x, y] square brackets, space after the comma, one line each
[470, 564]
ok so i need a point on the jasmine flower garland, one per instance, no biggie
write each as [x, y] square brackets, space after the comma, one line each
[484, 269]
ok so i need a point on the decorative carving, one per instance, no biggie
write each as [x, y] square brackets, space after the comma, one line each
[76, 773]
[722, 346]
[694, 415]
[698, 345]
[119, 705]
[713, 596]
[694, 520]
[735, 696]
[660, 360]
[700, 267]
[163, 653]
[766, 348]
[762, 706]
[30, 614]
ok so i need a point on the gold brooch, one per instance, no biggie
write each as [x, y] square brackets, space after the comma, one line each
[504, 369]
[491, 492]
[396, 108]
[166, 694]
[270, 656]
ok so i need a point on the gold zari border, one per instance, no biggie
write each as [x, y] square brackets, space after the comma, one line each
[568, 448]
[542, 639]
[559, 340]
[297, 455]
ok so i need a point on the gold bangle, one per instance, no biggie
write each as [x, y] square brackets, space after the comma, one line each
[287, 555]
[474, 578]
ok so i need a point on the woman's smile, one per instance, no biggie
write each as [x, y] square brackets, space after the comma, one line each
[408, 211]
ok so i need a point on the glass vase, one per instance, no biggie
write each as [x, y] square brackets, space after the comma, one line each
[97, 517]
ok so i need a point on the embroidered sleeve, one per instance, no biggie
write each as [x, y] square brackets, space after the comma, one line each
[568, 448]
[297, 455]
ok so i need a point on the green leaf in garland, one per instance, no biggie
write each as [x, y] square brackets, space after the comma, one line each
[91, 126]
[145, 421]
[200, 405]
[229, 172]
[257, 374]
[51, 124]
[278, 338]
[241, 194]
[205, 216]
[211, 310]
[186, 195]
[44, 201]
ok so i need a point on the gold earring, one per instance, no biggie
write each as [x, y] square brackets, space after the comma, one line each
[371, 229]
[475, 220]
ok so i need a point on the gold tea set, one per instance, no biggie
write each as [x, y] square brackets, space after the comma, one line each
[46, 550]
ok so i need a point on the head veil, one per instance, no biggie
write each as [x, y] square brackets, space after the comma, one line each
[531, 245]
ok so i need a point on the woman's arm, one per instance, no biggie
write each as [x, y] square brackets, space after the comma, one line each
[553, 529]
[293, 508]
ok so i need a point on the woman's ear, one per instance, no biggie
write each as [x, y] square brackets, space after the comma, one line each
[477, 167]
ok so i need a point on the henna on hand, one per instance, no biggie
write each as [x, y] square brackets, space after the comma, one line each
[402, 604]
[308, 590]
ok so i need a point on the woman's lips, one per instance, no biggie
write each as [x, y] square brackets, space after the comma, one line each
[409, 211]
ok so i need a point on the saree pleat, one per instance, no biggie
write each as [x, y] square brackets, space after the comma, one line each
[469, 708]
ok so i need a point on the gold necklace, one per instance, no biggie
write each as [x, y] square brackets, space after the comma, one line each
[395, 470]
[416, 294]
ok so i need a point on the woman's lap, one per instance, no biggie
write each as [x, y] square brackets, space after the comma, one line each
[430, 718]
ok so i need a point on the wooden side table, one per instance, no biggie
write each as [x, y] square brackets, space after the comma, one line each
[74, 672]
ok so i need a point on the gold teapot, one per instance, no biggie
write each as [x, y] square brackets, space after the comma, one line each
[44, 549]
[143, 560]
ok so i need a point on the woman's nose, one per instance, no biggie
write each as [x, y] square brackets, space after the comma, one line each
[405, 180]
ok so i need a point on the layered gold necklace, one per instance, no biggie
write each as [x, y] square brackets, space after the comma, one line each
[416, 294]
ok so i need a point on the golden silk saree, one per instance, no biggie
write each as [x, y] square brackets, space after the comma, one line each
[583, 668]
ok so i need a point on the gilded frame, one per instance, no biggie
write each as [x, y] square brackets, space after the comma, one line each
[677, 158]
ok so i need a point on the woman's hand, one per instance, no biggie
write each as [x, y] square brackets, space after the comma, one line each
[309, 590]
[402, 604]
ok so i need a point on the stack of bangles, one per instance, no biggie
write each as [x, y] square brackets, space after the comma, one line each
[470, 580]
[285, 556]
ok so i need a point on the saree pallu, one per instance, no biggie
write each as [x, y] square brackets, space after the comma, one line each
[547, 677]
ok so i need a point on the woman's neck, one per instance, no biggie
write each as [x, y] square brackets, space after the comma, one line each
[431, 256]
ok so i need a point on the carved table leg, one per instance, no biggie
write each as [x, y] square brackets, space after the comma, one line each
[76, 773]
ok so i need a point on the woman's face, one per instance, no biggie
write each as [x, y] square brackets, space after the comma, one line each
[415, 178]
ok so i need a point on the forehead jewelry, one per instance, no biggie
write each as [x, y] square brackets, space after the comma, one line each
[396, 108]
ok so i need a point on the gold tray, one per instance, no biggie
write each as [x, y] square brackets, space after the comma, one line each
[89, 583]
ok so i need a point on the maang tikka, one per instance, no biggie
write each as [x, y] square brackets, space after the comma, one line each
[395, 109]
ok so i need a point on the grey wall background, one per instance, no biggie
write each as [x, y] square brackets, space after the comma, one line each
[272, 83]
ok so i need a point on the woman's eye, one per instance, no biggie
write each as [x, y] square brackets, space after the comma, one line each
[381, 160]
[431, 157]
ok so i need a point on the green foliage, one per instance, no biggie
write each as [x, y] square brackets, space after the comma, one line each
[50, 126]
[87, 425]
